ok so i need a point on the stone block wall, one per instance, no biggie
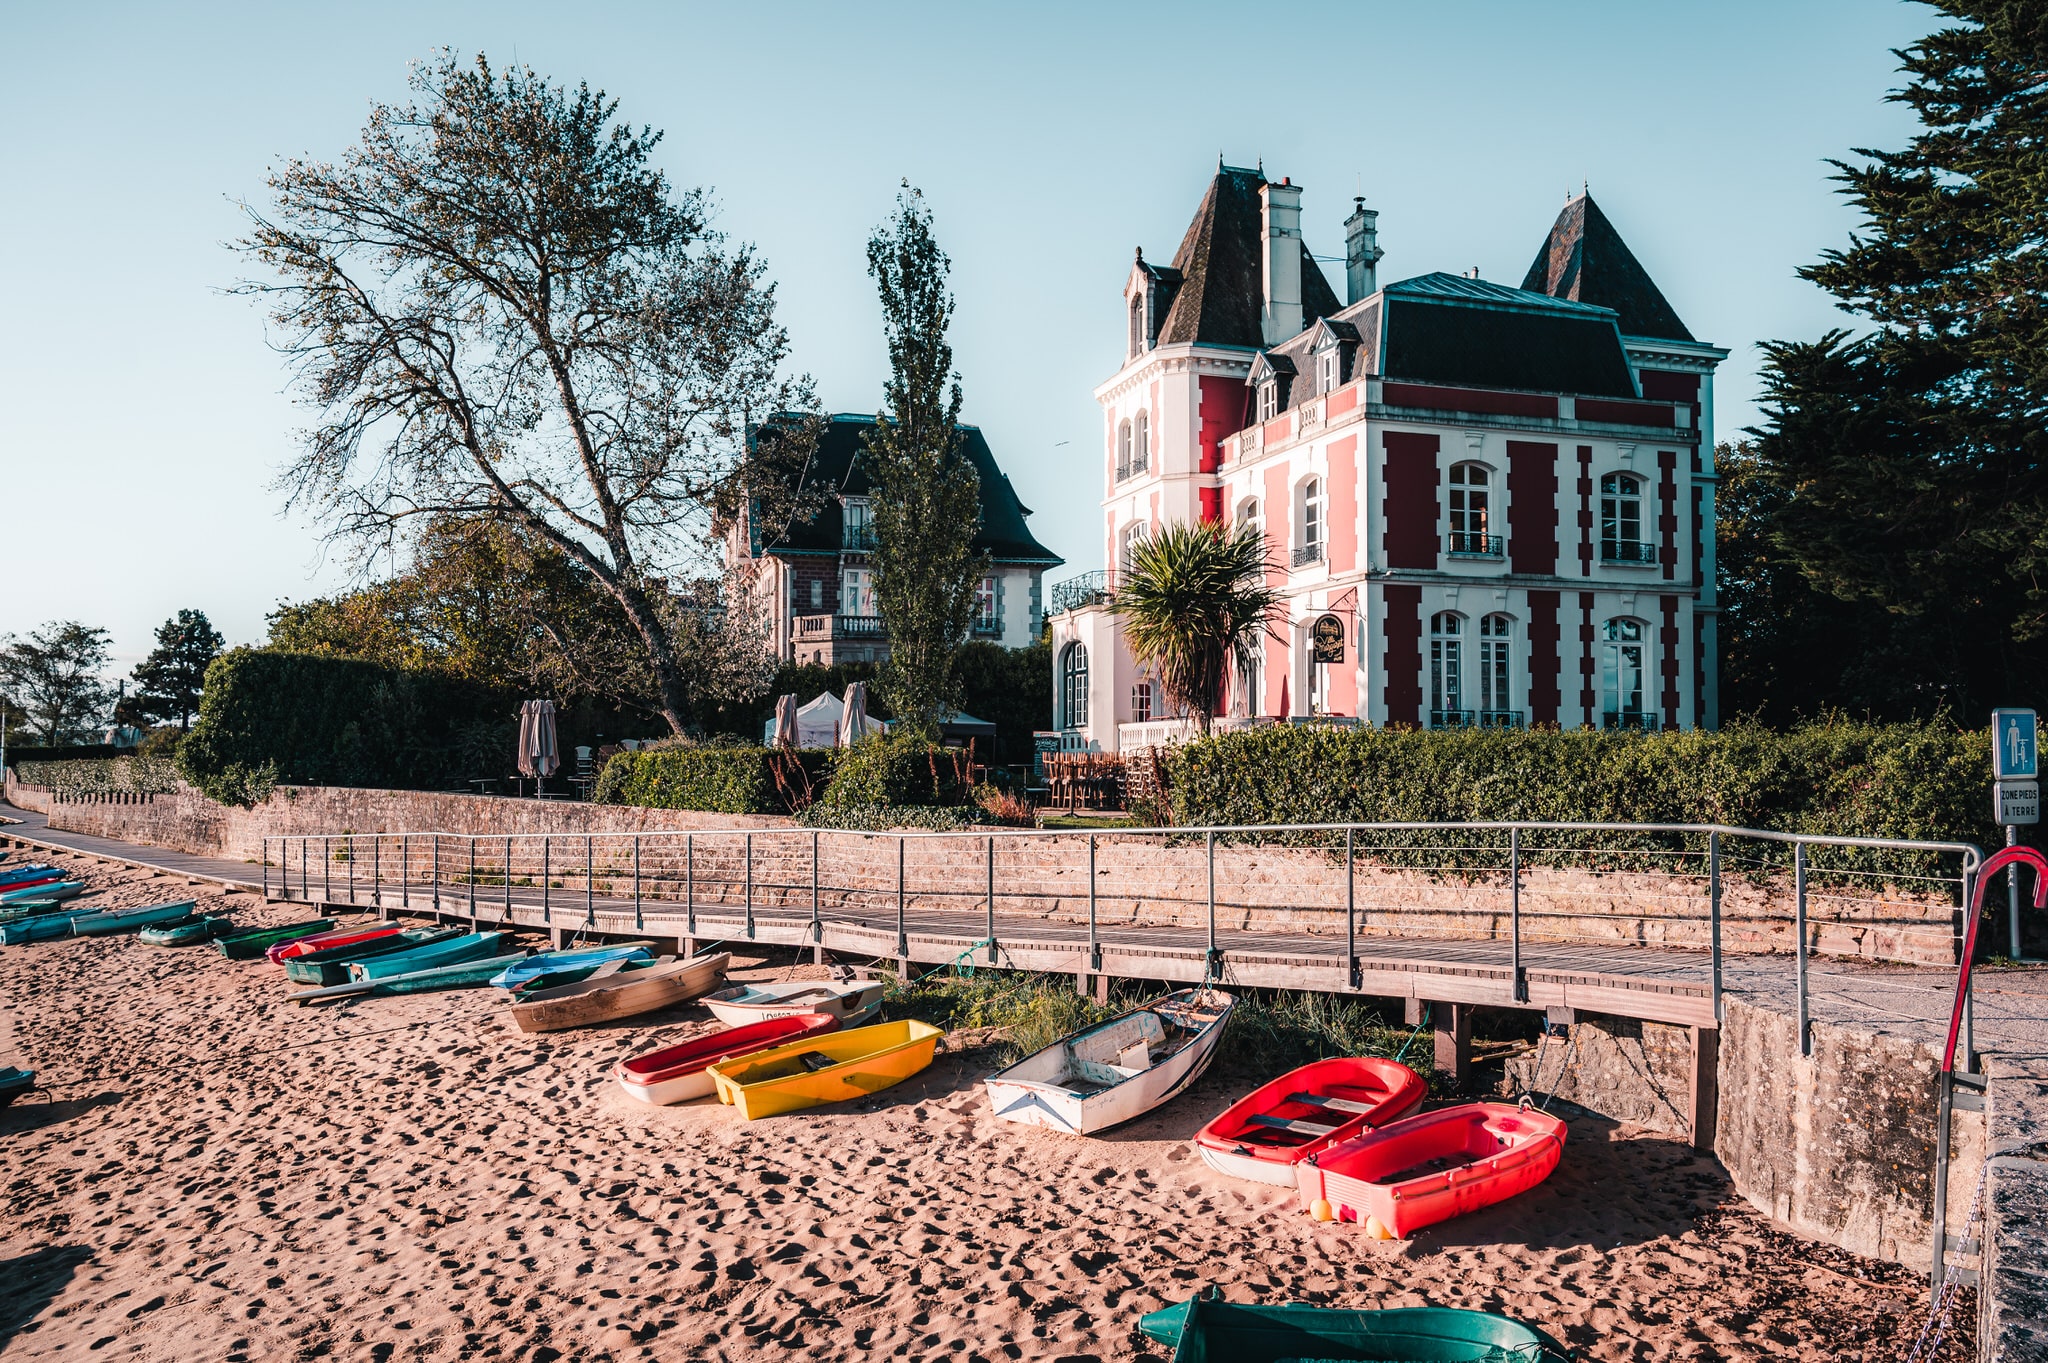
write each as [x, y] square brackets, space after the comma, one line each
[1632, 1071]
[2012, 1324]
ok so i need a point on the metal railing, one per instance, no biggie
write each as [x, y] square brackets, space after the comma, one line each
[1648, 721]
[1629, 551]
[858, 538]
[1500, 719]
[1453, 719]
[1488, 888]
[1305, 554]
[1088, 589]
[1464, 544]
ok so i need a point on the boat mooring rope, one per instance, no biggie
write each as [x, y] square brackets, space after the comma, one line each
[1531, 1089]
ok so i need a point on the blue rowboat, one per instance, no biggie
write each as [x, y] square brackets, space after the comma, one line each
[471, 946]
[1207, 1329]
[565, 963]
[32, 871]
[111, 921]
[52, 889]
[41, 928]
[467, 975]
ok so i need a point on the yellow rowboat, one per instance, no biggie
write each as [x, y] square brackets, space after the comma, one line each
[826, 1069]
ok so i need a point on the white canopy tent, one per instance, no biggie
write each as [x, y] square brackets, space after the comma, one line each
[818, 723]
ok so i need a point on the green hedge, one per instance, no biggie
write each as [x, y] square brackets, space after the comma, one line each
[1927, 781]
[893, 769]
[723, 779]
[313, 719]
[102, 776]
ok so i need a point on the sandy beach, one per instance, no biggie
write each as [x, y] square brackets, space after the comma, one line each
[218, 1174]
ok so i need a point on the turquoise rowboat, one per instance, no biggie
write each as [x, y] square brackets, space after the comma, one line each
[471, 946]
[111, 921]
[1211, 1330]
[42, 928]
[186, 931]
[331, 966]
[567, 967]
[247, 946]
[34, 871]
[14, 1082]
[468, 975]
[54, 891]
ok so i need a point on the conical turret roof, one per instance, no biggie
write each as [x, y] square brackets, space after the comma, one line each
[1585, 259]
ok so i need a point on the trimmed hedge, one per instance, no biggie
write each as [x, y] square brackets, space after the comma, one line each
[102, 776]
[897, 769]
[314, 719]
[1924, 780]
[722, 779]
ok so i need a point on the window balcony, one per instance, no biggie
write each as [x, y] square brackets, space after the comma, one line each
[1500, 719]
[857, 538]
[1453, 719]
[1631, 553]
[1467, 545]
[1075, 593]
[818, 628]
[986, 627]
[1307, 554]
[1644, 721]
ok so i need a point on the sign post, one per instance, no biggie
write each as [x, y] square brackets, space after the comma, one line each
[2016, 792]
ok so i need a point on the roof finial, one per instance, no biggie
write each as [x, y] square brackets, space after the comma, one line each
[1139, 254]
[1219, 160]
[1262, 166]
[1585, 189]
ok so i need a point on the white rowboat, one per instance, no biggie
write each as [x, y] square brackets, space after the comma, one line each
[1108, 1074]
[853, 1002]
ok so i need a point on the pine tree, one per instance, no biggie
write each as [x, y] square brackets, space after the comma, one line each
[926, 499]
[169, 680]
[1911, 459]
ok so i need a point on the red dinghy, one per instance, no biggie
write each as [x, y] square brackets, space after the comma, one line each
[340, 937]
[676, 1074]
[1427, 1169]
[1264, 1134]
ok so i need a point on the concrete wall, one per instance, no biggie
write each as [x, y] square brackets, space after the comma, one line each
[2012, 1324]
[1618, 1067]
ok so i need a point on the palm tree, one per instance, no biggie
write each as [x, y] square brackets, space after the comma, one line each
[1193, 601]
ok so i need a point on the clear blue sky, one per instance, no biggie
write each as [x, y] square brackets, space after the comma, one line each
[142, 418]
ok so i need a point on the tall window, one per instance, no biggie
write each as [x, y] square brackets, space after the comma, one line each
[856, 592]
[1127, 552]
[1471, 512]
[1621, 517]
[817, 593]
[1141, 702]
[858, 518]
[1248, 512]
[1622, 673]
[1137, 325]
[985, 619]
[1309, 522]
[1074, 687]
[1123, 451]
[1141, 444]
[1269, 400]
[1446, 670]
[1495, 634]
[1327, 368]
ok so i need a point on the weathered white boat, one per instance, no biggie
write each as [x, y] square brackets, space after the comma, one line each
[615, 991]
[853, 1002]
[1105, 1075]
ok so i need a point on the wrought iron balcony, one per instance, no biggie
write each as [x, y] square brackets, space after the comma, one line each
[817, 628]
[1465, 544]
[1089, 589]
[1500, 719]
[986, 628]
[1453, 719]
[1640, 553]
[1308, 553]
[859, 538]
[1123, 471]
[1644, 720]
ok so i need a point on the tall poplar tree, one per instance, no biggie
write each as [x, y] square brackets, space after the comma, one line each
[1911, 458]
[926, 498]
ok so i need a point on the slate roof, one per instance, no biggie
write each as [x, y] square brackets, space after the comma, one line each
[1585, 260]
[836, 467]
[1220, 294]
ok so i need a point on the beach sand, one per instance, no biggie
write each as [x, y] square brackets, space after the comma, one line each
[219, 1174]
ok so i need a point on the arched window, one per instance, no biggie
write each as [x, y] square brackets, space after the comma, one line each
[1141, 444]
[1141, 702]
[1248, 512]
[1308, 522]
[1496, 705]
[1134, 535]
[1074, 686]
[1123, 451]
[1621, 675]
[1621, 520]
[1447, 671]
[1137, 326]
[1472, 510]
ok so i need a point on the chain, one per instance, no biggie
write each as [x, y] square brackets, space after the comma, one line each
[1942, 1316]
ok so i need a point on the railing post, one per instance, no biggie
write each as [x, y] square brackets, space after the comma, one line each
[1209, 855]
[589, 880]
[327, 870]
[1515, 911]
[817, 927]
[405, 870]
[991, 899]
[1969, 1061]
[1714, 890]
[1094, 946]
[1799, 926]
[377, 874]
[747, 871]
[266, 870]
[508, 879]
[1351, 971]
[435, 872]
[349, 851]
[472, 881]
[690, 883]
[902, 934]
[637, 923]
[305, 887]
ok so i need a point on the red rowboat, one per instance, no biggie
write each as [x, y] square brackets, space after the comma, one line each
[1264, 1134]
[340, 937]
[1427, 1169]
[676, 1074]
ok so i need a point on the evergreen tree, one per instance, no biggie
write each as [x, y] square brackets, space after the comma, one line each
[169, 680]
[1908, 464]
[926, 493]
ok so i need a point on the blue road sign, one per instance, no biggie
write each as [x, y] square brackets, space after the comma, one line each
[2014, 756]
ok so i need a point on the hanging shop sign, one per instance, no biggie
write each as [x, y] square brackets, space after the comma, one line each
[1327, 634]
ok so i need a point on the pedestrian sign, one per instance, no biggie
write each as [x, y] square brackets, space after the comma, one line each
[2013, 754]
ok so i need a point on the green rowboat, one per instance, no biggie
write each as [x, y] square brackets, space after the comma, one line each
[1211, 1330]
[468, 975]
[187, 931]
[470, 946]
[247, 946]
[331, 966]
[42, 928]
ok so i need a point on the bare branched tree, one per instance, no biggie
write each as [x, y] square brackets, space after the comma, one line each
[500, 311]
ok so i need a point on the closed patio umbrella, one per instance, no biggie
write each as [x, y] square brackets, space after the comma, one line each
[540, 752]
[853, 718]
[785, 735]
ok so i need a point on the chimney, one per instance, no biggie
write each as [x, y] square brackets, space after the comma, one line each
[1361, 252]
[1280, 215]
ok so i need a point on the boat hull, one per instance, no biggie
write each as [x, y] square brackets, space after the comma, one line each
[128, 920]
[859, 1063]
[586, 960]
[1205, 1329]
[626, 994]
[853, 1002]
[1264, 1134]
[185, 933]
[679, 1074]
[1494, 1151]
[474, 946]
[247, 946]
[55, 891]
[1043, 1089]
[330, 966]
[43, 928]
[467, 975]
[15, 1082]
[294, 948]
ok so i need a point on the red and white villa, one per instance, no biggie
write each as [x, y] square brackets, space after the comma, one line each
[1485, 506]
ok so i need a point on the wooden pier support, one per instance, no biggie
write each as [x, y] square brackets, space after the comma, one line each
[1453, 1023]
[1704, 1092]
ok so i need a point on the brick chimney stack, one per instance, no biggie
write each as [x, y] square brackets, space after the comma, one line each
[1280, 215]
[1361, 252]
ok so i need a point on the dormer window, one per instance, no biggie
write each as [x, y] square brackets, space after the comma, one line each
[1329, 371]
[1269, 399]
